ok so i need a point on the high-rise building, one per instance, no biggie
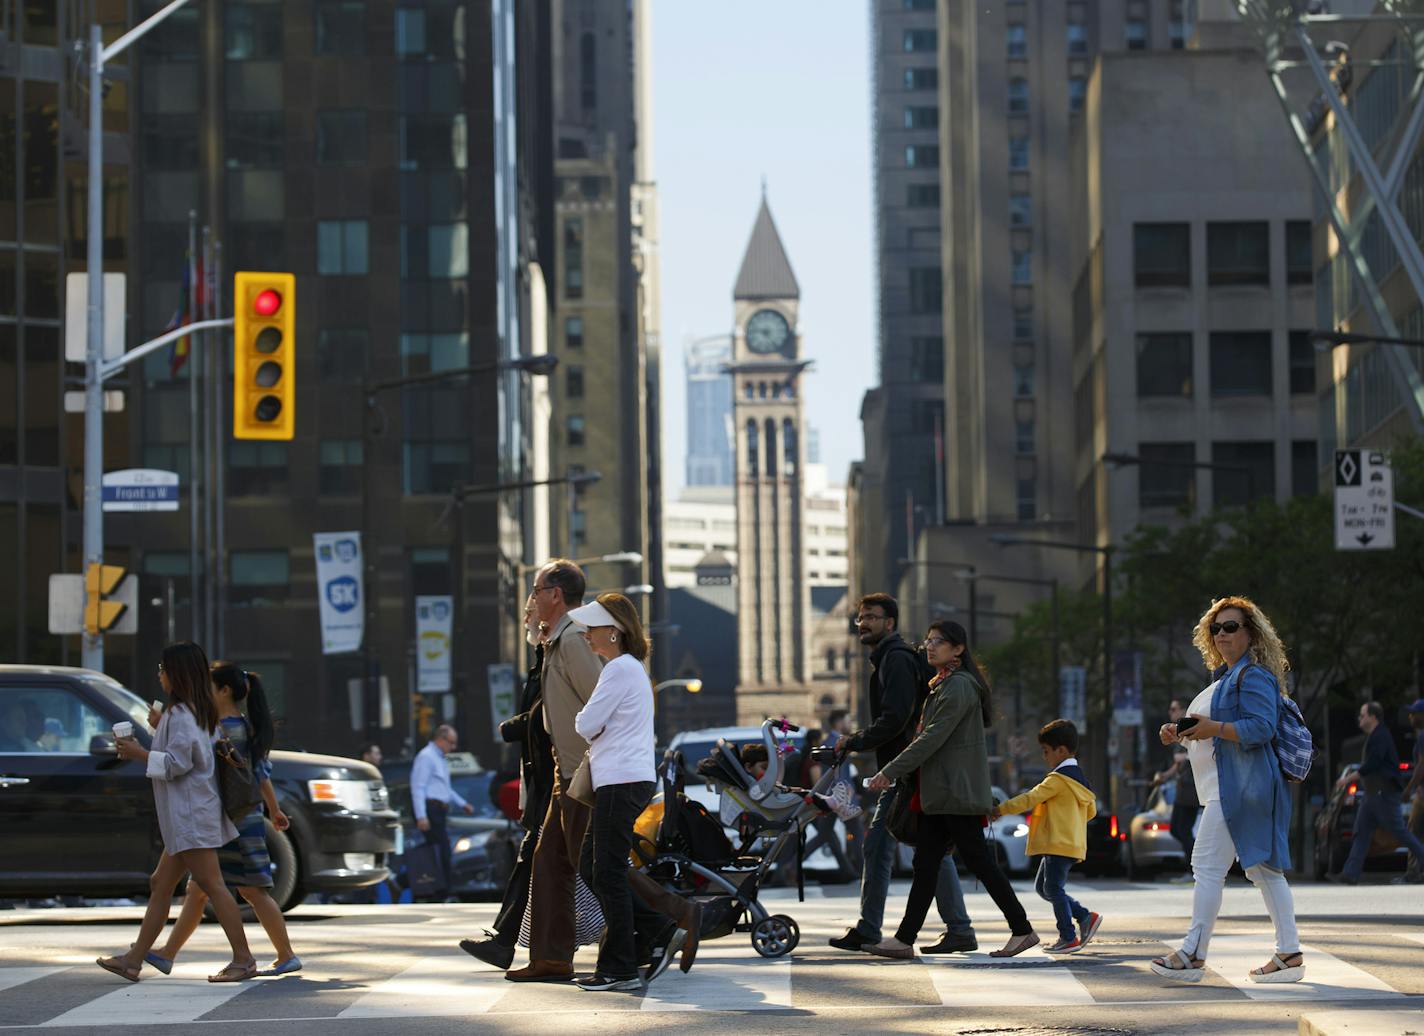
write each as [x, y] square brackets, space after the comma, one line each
[709, 412]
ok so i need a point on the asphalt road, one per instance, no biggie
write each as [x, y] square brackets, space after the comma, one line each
[377, 970]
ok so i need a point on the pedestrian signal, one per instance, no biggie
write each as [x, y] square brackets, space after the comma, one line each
[264, 376]
[99, 582]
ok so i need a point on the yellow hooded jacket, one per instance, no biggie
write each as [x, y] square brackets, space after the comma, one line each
[1062, 805]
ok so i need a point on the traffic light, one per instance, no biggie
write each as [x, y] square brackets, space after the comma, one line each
[99, 582]
[264, 374]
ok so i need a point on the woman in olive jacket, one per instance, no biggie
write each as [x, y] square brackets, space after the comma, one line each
[949, 766]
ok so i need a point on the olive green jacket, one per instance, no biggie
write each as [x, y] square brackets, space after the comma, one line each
[949, 751]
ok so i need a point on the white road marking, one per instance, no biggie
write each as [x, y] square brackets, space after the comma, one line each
[741, 983]
[12, 977]
[159, 1001]
[445, 985]
[1327, 977]
[1032, 979]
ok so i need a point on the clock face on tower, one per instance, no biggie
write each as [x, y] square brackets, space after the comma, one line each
[767, 331]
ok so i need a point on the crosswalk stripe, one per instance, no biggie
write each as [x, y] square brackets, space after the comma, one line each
[1032, 979]
[1327, 977]
[723, 984]
[166, 1001]
[12, 977]
[445, 985]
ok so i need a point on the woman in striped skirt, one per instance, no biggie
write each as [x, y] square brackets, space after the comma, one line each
[245, 864]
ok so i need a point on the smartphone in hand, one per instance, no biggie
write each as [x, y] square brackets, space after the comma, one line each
[1186, 724]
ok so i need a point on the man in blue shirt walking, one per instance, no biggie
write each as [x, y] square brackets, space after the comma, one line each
[431, 794]
[1380, 801]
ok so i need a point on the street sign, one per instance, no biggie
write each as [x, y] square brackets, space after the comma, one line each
[113, 402]
[434, 615]
[141, 489]
[76, 316]
[66, 604]
[1364, 501]
[501, 692]
[1073, 695]
[1127, 689]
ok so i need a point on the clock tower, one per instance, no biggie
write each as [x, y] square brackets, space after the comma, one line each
[773, 596]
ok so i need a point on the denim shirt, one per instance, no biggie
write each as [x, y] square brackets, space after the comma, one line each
[1254, 798]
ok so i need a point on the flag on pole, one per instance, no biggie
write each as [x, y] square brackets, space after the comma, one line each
[189, 302]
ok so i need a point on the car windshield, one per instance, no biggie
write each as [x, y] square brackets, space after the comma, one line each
[131, 704]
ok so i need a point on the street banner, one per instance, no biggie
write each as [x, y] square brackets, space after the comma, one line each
[501, 687]
[338, 584]
[434, 616]
[1364, 501]
[1073, 695]
[1127, 689]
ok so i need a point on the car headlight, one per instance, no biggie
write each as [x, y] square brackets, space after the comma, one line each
[354, 795]
[465, 844]
[1021, 831]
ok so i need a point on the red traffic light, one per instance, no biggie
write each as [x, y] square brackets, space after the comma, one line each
[266, 303]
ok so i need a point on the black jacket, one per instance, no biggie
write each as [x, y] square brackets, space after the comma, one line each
[536, 748]
[898, 686]
[1379, 767]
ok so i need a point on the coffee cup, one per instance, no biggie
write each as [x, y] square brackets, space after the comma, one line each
[124, 729]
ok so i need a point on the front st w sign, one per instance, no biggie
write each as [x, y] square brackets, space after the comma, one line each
[1364, 501]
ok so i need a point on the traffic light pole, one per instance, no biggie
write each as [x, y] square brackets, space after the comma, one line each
[93, 644]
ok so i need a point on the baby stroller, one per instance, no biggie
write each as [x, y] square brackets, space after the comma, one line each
[694, 857]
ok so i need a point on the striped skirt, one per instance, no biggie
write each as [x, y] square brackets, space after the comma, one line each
[244, 860]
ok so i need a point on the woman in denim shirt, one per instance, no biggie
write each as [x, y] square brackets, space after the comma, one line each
[1246, 807]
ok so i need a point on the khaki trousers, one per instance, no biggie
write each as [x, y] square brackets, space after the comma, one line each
[556, 857]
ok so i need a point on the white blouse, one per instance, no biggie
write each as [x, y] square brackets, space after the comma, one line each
[617, 723]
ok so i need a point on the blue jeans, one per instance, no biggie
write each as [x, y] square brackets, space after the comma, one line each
[879, 850]
[1378, 809]
[1052, 877]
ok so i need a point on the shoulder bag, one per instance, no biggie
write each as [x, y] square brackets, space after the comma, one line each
[237, 785]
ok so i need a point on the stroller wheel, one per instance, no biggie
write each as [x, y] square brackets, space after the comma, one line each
[775, 936]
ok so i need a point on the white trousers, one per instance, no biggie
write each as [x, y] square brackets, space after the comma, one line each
[1211, 859]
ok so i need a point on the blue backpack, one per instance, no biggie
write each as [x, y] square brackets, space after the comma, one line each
[1293, 745]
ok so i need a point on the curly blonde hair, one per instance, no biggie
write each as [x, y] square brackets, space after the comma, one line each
[1266, 647]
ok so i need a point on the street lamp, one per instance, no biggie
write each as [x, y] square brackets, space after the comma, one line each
[1325, 341]
[693, 686]
[1100, 747]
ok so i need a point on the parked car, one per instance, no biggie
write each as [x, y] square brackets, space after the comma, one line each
[78, 820]
[1149, 845]
[483, 845]
[1335, 828]
[1105, 837]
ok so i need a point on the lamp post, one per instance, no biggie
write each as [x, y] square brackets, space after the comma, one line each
[1325, 341]
[539, 366]
[1100, 747]
[691, 686]
[972, 576]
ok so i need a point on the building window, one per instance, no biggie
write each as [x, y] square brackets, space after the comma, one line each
[1023, 382]
[1302, 364]
[1020, 210]
[434, 465]
[926, 289]
[1018, 153]
[573, 258]
[1240, 363]
[1018, 96]
[1023, 324]
[1162, 255]
[922, 117]
[921, 41]
[919, 5]
[341, 247]
[253, 30]
[1164, 365]
[927, 358]
[1077, 93]
[410, 31]
[922, 196]
[1016, 40]
[423, 354]
[1238, 253]
[790, 451]
[588, 72]
[1300, 266]
[922, 156]
[1077, 39]
[341, 27]
[1026, 499]
[1134, 34]
[447, 250]
[753, 449]
[255, 140]
[258, 577]
[1166, 477]
[575, 426]
[341, 137]
[1244, 471]
[921, 79]
[1023, 266]
[341, 353]
[573, 332]
[573, 382]
[1024, 436]
[1305, 468]
[256, 468]
[433, 142]
[341, 461]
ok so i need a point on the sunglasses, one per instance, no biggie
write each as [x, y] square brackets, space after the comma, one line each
[1229, 626]
[935, 641]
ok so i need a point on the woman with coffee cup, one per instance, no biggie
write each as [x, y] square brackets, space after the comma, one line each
[244, 861]
[190, 812]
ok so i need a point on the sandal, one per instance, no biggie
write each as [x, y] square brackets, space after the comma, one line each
[235, 972]
[1016, 945]
[160, 963]
[116, 966]
[1178, 967]
[1277, 970]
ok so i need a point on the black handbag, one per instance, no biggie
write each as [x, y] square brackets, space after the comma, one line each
[422, 871]
[237, 785]
[903, 823]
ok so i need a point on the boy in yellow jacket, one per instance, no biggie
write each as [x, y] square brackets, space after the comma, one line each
[1058, 832]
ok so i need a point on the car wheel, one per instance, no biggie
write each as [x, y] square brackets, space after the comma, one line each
[286, 871]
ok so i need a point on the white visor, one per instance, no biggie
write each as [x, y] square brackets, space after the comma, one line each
[595, 614]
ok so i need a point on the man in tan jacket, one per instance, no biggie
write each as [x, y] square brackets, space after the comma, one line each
[570, 672]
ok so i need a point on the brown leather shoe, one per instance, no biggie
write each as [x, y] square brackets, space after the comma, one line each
[692, 924]
[543, 971]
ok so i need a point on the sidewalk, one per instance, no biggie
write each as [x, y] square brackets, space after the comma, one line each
[1402, 1022]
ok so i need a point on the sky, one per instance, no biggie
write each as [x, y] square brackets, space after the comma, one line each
[746, 89]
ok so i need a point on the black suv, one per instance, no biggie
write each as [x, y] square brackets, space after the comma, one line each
[77, 820]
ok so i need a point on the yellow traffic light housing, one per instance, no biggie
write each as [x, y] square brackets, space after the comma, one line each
[99, 582]
[264, 375]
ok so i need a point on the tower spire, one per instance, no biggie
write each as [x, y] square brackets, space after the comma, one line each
[766, 272]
